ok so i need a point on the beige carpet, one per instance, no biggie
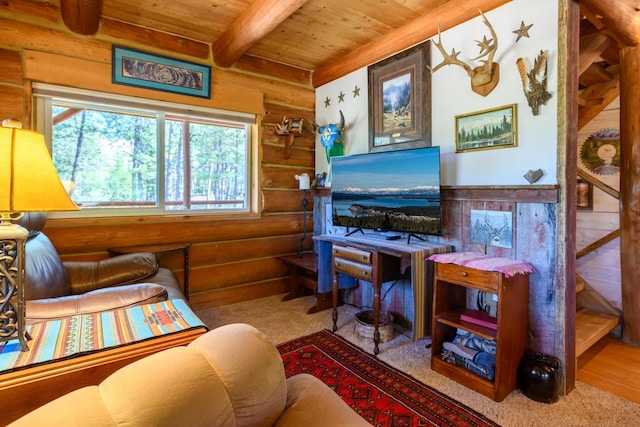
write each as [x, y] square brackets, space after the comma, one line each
[283, 321]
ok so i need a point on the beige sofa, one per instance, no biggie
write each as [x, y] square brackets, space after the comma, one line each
[56, 289]
[231, 376]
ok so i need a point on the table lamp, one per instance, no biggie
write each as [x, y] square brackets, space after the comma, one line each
[28, 183]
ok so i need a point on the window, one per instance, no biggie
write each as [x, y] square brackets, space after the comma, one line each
[119, 156]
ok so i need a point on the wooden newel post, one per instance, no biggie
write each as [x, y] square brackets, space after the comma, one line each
[630, 192]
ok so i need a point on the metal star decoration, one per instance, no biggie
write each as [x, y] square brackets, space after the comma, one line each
[523, 31]
[327, 102]
[484, 44]
[356, 91]
[341, 97]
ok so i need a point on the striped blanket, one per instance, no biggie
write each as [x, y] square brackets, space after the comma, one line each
[81, 334]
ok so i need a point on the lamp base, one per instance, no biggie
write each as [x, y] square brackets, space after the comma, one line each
[12, 255]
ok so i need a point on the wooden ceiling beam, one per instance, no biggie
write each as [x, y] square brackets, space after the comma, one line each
[604, 93]
[81, 16]
[621, 18]
[594, 74]
[449, 15]
[591, 47]
[258, 20]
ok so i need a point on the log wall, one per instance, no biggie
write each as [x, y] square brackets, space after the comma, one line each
[232, 259]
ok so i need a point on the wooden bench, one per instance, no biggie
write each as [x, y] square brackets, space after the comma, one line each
[304, 275]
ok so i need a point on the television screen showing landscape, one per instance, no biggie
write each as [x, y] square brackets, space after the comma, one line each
[388, 191]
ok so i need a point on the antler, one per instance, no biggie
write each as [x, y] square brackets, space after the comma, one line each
[449, 59]
[488, 47]
[488, 50]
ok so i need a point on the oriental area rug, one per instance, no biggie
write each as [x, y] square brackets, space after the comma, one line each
[381, 394]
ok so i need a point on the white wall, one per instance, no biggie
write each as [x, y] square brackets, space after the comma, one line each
[452, 96]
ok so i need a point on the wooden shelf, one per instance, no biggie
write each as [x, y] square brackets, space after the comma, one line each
[451, 283]
[453, 319]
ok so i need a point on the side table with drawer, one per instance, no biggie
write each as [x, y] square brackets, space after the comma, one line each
[365, 264]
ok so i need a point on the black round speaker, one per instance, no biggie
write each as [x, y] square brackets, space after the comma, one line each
[538, 377]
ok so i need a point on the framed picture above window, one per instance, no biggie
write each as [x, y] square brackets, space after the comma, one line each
[136, 68]
[492, 128]
[400, 101]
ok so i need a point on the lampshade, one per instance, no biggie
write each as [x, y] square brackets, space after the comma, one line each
[28, 179]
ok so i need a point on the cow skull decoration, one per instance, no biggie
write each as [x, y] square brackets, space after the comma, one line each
[484, 78]
[331, 138]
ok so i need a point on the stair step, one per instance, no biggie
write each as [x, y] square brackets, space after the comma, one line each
[580, 283]
[591, 326]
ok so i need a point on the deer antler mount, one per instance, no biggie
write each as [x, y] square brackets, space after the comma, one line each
[484, 78]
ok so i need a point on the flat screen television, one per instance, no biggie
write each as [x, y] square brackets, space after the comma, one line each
[392, 191]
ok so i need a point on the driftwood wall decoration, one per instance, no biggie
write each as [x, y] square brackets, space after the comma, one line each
[534, 82]
[484, 78]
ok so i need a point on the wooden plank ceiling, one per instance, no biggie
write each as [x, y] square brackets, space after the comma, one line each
[327, 37]
[319, 36]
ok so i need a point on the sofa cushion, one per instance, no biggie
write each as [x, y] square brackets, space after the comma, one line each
[93, 302]
[85, 276]
[251, 369]
[45, 275]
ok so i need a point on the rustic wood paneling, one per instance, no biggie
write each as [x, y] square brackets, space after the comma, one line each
[535, 243]
[38, 9]
[155, 39]
[12, 104]
[27, 36]
[10, 67]
[233, 250]
[240, 293]
[220, 276]
[97, 235]
[257, 65]
[274, 177]
[285, 201]
[86, 74]
[274, 154]
[275, 91]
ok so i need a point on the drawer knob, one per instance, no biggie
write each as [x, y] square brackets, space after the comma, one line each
[464, 273]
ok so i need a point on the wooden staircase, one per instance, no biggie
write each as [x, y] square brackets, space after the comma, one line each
[591, 326]
[595, 317]
[599, 72]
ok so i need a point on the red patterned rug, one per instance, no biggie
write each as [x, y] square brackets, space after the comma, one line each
[381, 394]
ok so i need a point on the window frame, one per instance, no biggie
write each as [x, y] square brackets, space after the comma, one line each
[44, 94]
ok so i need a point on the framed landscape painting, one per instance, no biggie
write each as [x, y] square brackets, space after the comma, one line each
[400, 101]
[140, 69]
[493, 128]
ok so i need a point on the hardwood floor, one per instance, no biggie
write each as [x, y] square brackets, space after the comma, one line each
[613, 366]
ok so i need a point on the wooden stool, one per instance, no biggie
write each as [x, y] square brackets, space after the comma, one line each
[304, 274]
